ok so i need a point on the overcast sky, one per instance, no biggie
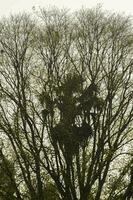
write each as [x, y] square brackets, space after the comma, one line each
[14, 6]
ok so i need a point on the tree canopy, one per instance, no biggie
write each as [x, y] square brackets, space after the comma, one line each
[66, 104]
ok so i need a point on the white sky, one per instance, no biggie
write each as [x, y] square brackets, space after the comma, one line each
[14, 6]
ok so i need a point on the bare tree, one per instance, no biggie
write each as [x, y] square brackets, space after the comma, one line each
[66, 103]
[16, 55]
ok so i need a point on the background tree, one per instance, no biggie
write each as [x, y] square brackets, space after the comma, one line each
[66, 103]
[7, 184]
